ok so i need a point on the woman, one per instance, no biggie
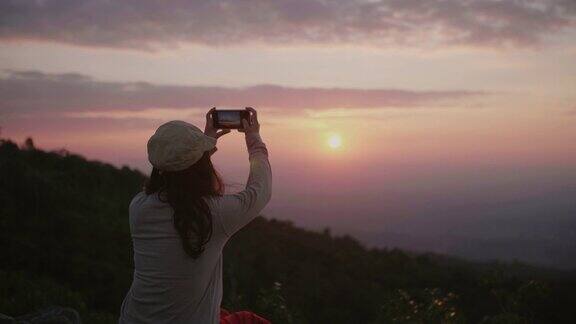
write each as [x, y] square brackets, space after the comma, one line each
[182, 221]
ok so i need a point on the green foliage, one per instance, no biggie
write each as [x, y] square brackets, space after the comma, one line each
[421, 306]
[272, 302]
[64, 240]
[23, 292]
[64, 219]
[327, 279]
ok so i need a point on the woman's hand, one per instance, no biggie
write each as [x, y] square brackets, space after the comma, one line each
[251, 126]
[209, 128]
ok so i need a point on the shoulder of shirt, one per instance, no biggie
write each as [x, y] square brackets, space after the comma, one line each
[138, 199]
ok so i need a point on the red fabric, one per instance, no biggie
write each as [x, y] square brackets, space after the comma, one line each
[243, 317]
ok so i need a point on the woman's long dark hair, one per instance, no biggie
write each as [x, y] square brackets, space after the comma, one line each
[184, 191]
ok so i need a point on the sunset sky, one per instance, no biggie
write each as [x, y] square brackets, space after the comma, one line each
[397, 121]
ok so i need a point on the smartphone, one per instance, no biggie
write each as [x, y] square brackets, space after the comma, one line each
[230, 119]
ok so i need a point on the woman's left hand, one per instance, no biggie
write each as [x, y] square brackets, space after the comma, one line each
[209, 128]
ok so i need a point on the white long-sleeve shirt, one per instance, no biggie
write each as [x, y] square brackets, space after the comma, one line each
[168, 285]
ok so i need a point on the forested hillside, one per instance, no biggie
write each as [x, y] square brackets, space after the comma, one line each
[64, 240]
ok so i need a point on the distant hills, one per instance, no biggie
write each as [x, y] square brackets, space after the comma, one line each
[64, 240]
[558, 250]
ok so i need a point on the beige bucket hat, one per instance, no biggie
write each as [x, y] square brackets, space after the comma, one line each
[176, 145]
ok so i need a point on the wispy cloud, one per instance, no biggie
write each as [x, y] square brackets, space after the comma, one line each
[77, 125]
[25, 92]
[148, 24]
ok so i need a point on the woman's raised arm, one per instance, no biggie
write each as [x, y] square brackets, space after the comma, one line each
[239, 209]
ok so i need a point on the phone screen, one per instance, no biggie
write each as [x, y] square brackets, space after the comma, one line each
[229, 118]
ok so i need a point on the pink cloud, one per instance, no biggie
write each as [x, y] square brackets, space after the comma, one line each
[36, 92]
[146, 24]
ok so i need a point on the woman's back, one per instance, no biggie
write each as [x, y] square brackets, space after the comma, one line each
[170, 286]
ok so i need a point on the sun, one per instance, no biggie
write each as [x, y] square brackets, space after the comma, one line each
[334, 141]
